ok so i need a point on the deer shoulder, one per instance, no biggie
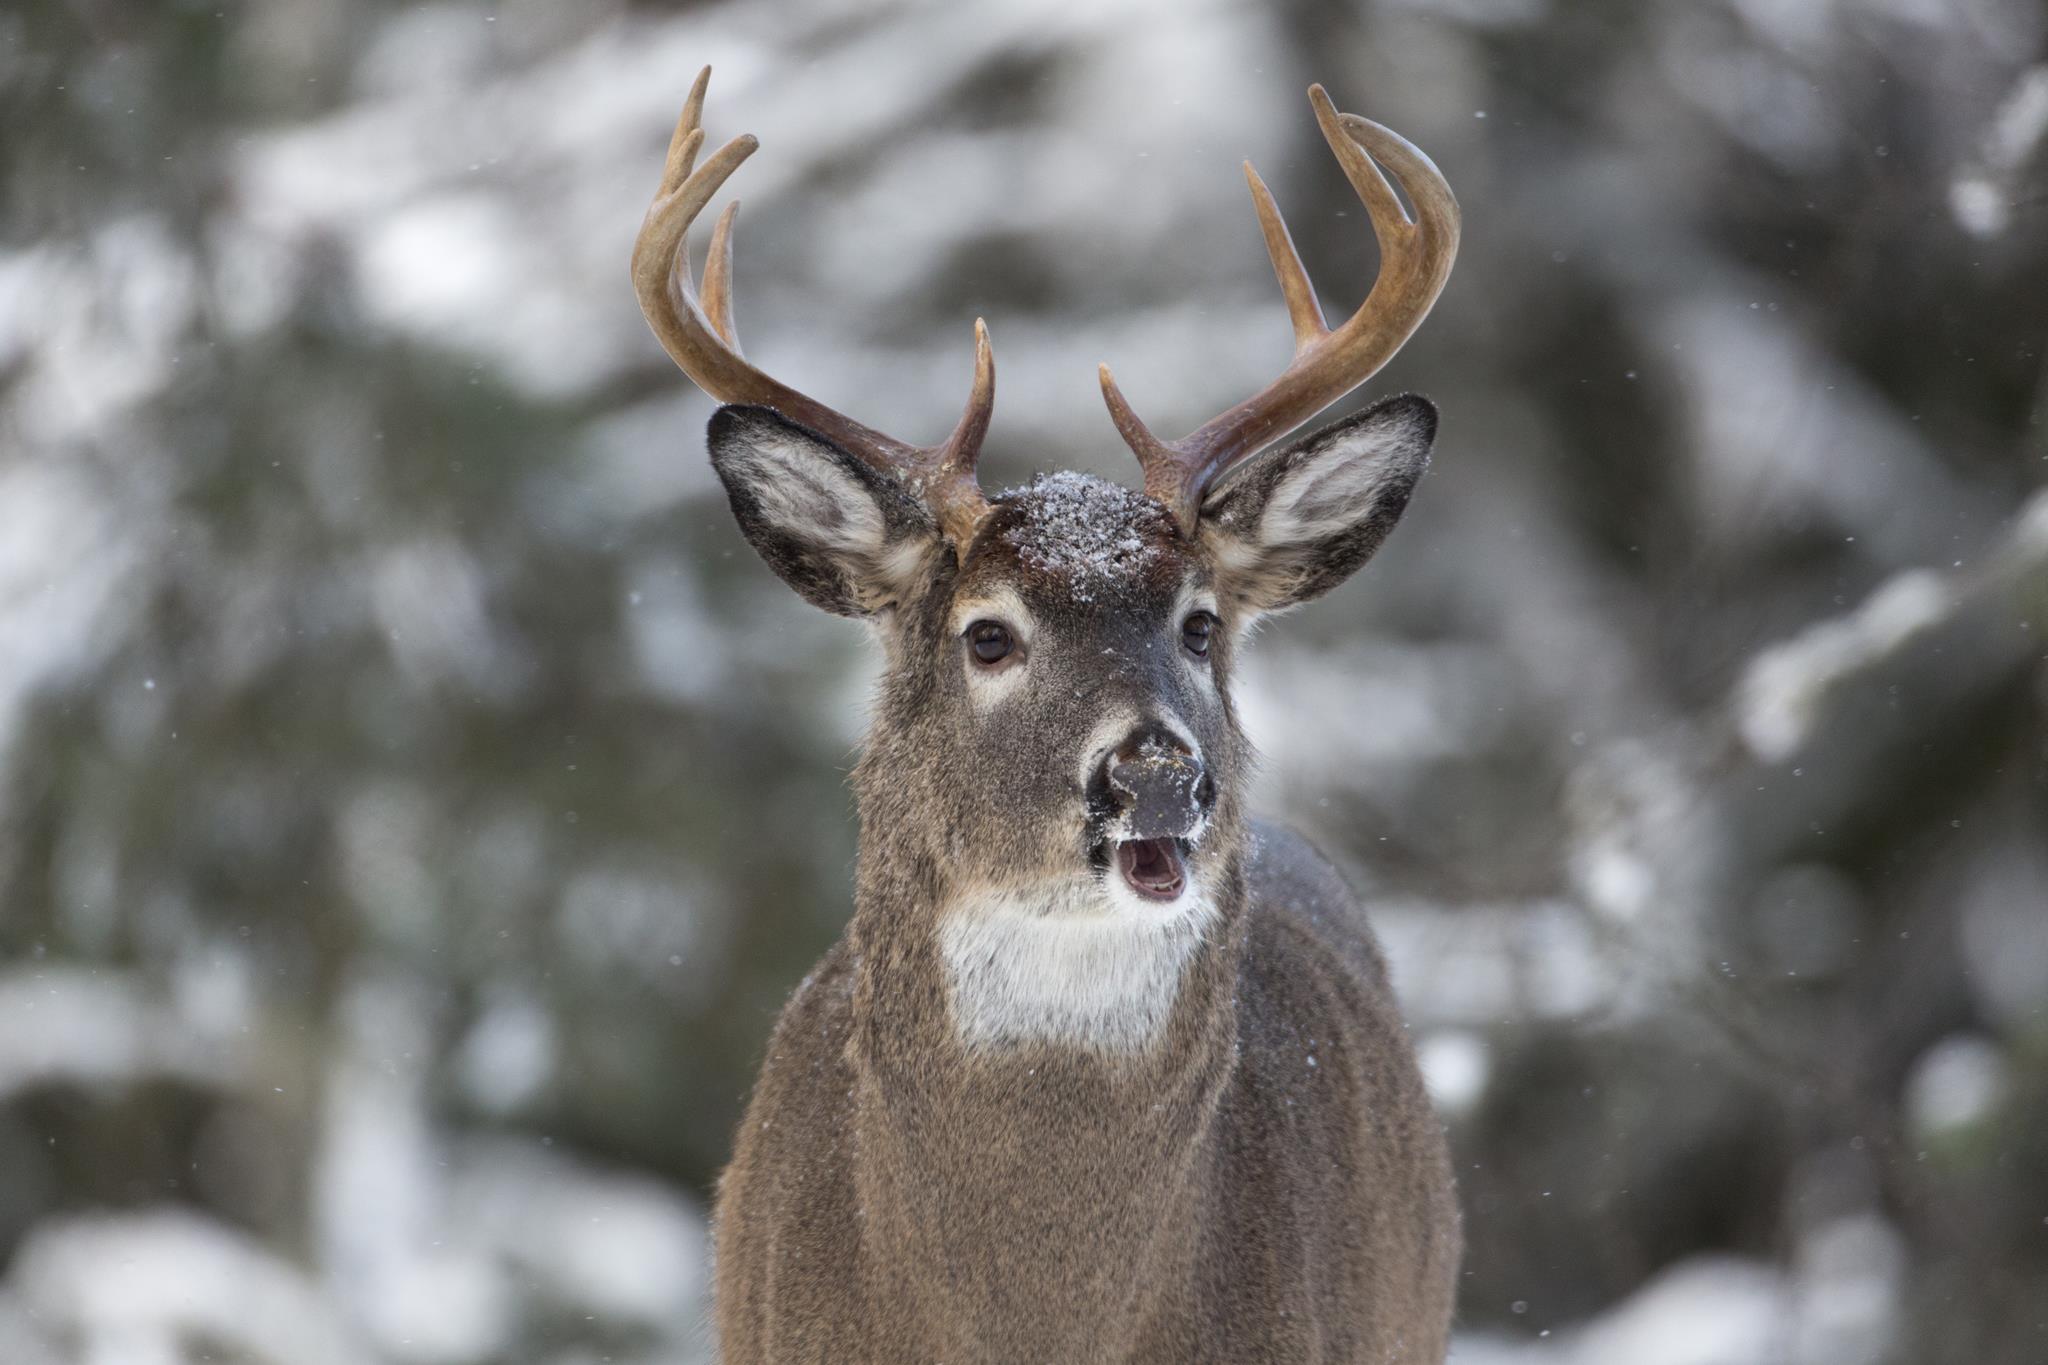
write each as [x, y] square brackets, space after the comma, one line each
[1326, 1054]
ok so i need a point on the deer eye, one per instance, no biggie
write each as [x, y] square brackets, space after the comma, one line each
[1195, 633]
[991, 641]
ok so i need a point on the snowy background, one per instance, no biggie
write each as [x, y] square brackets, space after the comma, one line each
[415, 800]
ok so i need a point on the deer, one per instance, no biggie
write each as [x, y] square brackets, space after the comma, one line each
[1102, 1069]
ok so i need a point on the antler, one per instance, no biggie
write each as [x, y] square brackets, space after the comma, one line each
[1415, 260]
[699, 335]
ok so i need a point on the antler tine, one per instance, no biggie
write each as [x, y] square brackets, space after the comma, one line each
[689, 135]
[946, 473]
[1436, 210]
[1382, 206]
[1415, 260]
[699, 335]
[1302, 309]
[718, 278]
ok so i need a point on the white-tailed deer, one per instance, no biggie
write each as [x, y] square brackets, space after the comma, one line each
[1100, 1071]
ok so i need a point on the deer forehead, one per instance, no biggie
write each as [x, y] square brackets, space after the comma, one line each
[1071, 539]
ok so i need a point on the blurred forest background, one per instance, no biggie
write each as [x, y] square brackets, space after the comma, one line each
[415, 800]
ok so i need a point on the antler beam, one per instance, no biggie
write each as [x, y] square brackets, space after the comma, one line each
[1415, 260]
[699, 334]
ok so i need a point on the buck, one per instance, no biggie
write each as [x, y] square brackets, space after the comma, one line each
[1101, 1070]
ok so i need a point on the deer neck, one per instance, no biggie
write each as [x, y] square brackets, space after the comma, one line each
[1028, 1195]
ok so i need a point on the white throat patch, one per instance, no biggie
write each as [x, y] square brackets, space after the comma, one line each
[1080, 962]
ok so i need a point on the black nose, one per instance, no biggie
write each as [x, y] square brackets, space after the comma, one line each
[1161, 788]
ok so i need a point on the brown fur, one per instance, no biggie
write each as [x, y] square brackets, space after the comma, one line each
[893, 1199]
[1265, 1181]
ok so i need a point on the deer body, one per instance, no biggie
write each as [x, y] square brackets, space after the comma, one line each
[1099, 1072]
[896, 1197]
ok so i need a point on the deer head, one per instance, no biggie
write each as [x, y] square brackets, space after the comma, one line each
[1055, 720]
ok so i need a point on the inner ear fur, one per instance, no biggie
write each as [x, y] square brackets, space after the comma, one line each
[849, 538]
[1304, 517]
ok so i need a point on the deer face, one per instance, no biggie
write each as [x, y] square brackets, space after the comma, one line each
[1056, 710]
[1088, 672]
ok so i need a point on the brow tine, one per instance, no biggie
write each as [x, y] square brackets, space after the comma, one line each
[981, 399]
[1162, 474]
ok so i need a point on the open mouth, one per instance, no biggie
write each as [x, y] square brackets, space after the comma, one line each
[1154, 868]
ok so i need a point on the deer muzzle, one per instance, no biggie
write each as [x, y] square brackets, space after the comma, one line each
[1153, 799]
[1162, 795]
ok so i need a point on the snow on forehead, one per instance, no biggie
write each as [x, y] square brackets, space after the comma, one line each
[1082, 527]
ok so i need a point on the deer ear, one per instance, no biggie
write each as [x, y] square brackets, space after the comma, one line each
[848, 538]
[1302, 519]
